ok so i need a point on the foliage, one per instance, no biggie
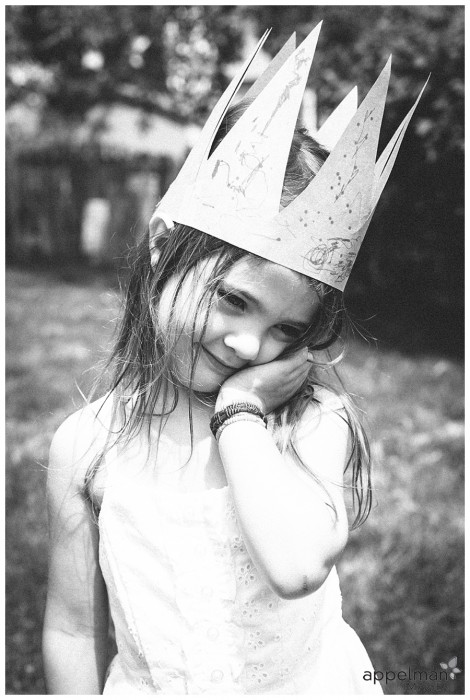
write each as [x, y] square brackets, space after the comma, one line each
[401, 573]
[94, 52]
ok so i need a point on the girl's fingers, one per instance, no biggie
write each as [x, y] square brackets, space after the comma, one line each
[299, 358]
[306, 355]
[298, 375]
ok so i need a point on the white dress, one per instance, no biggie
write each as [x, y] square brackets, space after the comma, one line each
[192, 614]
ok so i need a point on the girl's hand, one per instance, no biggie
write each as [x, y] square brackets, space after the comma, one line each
[268, 385]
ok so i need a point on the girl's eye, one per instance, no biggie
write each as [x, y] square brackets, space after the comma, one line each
[231, 298]
[291, 332]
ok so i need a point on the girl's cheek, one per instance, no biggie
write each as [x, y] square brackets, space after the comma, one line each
[270, 351]
[178, 309]
[216, 326]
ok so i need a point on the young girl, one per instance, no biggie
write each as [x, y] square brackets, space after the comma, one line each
[201, 501]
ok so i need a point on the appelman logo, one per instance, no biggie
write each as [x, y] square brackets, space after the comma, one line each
[451, 667]
[448, 672]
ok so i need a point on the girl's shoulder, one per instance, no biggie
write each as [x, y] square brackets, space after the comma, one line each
[79, 438]
[325, 407]
[325, 400]
[321, 436]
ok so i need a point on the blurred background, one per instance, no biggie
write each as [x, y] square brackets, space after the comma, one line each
[103, 103]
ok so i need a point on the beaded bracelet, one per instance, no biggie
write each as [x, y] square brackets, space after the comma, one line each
[231, 410]
[237, 418]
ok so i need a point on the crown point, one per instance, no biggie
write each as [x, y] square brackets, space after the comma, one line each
[388, 65]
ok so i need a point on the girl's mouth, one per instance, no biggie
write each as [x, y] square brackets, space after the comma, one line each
[218, 364]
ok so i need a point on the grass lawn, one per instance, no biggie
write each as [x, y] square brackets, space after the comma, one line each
[402, 572]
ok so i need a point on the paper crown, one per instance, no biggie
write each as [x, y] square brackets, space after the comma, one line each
[235, 193]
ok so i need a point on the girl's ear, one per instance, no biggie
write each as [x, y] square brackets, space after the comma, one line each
[159, 227]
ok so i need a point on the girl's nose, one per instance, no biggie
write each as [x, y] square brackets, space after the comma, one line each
[245, 345]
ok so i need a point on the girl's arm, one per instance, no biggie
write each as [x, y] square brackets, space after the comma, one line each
[290, 528]
[76, 621]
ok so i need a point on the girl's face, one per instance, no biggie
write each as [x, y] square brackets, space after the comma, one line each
[258, 311]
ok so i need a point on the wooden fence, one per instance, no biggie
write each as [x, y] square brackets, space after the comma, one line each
[69, 205]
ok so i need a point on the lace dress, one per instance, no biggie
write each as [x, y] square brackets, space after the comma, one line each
[192, 614]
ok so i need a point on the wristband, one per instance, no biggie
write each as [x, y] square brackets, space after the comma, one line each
[250, 417]
[231, 410]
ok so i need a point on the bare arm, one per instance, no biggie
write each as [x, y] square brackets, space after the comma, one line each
[76, 620]
[292, 533]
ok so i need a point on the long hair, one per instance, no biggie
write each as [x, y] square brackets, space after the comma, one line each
[144, 375]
